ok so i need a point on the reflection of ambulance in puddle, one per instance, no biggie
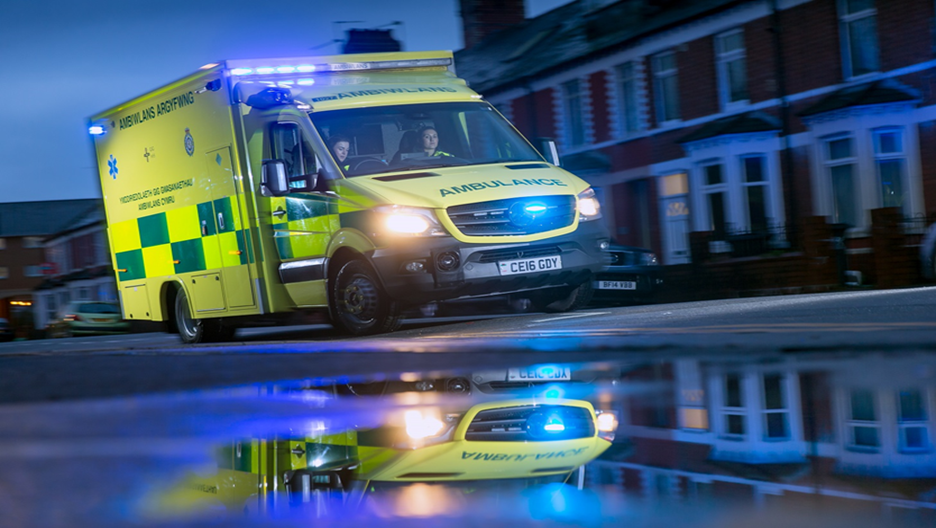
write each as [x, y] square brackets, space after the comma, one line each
[518, 439]
[354, 185]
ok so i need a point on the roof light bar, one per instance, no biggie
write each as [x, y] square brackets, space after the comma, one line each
[342, 66]
[96, 130]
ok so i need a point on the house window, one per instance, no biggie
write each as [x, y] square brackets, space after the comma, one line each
[734, 406]
[912, 421]
[715, 192]
[732, 72]
[840, 165]
[890, 165]
[2, 243]
[4, 272]
[630, 118]
[32, 242]
[775, 409]
[32, 271]
[859, 37]
[665, 87]
[572, 96]
[755, 184]
[864, 431]
[51, 307]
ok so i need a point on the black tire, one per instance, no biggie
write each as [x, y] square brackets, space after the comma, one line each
[193, 330]
[568, 300]
[359, 305]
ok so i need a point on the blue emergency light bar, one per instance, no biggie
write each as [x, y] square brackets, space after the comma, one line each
[96, 130]
[340, 66]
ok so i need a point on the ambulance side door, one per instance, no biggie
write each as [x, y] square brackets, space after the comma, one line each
[303, 223]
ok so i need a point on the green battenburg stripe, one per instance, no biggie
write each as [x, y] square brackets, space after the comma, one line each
[242, 247]
[284, 247]
[243, 462]
[223, 206]
[154, 231]
[206, 219]
[302, 208]
[250, 255]
[190, 255]
[132, 262]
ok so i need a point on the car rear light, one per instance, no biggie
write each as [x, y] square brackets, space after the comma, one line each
[72, 317]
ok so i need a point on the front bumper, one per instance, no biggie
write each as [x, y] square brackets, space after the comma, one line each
[647, 280]
[478, 271]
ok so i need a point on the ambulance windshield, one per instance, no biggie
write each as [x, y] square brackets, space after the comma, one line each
[415, 137]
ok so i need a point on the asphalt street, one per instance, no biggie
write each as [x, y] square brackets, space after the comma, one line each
[836, 323]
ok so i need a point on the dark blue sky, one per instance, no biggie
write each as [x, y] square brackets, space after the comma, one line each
[64, 60]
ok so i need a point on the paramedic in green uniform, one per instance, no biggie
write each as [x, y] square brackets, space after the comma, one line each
[340, 146]
[429, 140]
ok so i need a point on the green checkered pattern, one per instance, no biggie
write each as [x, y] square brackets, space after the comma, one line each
[181, 240]
[305, 230]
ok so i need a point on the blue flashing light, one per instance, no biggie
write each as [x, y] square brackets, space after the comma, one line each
[96, 130]
[241, 71]
[305, 82]
[535, 208]
[265, 70]
[554, 427]
[553, 394]
[285, 69]
[305, 68]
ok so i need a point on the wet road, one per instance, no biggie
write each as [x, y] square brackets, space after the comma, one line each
[877, 321]
[788, 411]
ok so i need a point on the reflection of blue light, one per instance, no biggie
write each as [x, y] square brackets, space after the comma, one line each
[241, 71]
[554, 425]
[547, 371]
[305, 68]
[535, 208]
[553, 394]
[306, 82]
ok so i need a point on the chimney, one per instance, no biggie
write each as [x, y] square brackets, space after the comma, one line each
[370, 41]
[481, 18]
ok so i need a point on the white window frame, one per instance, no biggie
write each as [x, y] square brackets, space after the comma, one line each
[924, 424]
[707, 189]
[573, 106]
[4, 272]
[852, 424]
[659, 78]
[899, 155]
[727, 410]
[628, 98]
[747, 185]
[846, 21]
[723, 61]
[829, 164]
[784, 410]
[32, 242]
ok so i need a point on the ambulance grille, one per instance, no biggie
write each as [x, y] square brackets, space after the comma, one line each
[531, 423]
[509, 217]
[520, 252]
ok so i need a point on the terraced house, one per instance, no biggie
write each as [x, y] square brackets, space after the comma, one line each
[768, 127]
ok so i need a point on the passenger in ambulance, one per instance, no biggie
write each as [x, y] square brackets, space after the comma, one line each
[429, 142]
[339, 146]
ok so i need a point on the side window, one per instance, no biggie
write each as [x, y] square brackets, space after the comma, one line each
[290, 146]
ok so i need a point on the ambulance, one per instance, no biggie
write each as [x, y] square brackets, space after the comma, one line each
[352, 185]
[528, 441]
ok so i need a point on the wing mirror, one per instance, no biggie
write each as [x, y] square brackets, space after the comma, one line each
[549, 150]
[276, 182]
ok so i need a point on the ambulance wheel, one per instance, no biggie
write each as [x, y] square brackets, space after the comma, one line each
[193, 330]
[360, 306]
[568, 300]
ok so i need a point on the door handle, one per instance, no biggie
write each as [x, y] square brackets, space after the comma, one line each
[278, 213]
[221, 221]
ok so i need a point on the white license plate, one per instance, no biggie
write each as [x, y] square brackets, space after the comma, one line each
[540, 374]
[531, 265]
[617, 285]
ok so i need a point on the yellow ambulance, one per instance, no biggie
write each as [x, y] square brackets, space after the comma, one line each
[355, 185]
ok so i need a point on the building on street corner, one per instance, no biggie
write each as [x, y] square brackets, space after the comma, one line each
[721, 130]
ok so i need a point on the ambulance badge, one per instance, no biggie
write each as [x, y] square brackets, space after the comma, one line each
[189, 143]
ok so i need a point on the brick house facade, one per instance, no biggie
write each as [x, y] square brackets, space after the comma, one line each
[739, 119]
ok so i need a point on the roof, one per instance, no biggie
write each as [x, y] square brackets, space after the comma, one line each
[562, 37]
[878, 92]
[738, 124]
[43, 218]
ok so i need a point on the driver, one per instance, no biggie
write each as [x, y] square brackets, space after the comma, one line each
[339, 146]
[429, 141]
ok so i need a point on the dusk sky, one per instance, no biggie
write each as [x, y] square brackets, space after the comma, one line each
[65, 60]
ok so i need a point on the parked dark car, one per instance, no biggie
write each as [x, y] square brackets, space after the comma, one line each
[6, 331]
[632, 275]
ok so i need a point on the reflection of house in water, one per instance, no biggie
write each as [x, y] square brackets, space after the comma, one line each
[786, 430]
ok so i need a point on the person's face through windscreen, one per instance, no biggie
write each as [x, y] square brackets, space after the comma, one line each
[430, 140]
[340, 149]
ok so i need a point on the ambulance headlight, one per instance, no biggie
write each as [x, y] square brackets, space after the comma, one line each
[588, 206]
[607, 423]
[411, 221]
[420, 425]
